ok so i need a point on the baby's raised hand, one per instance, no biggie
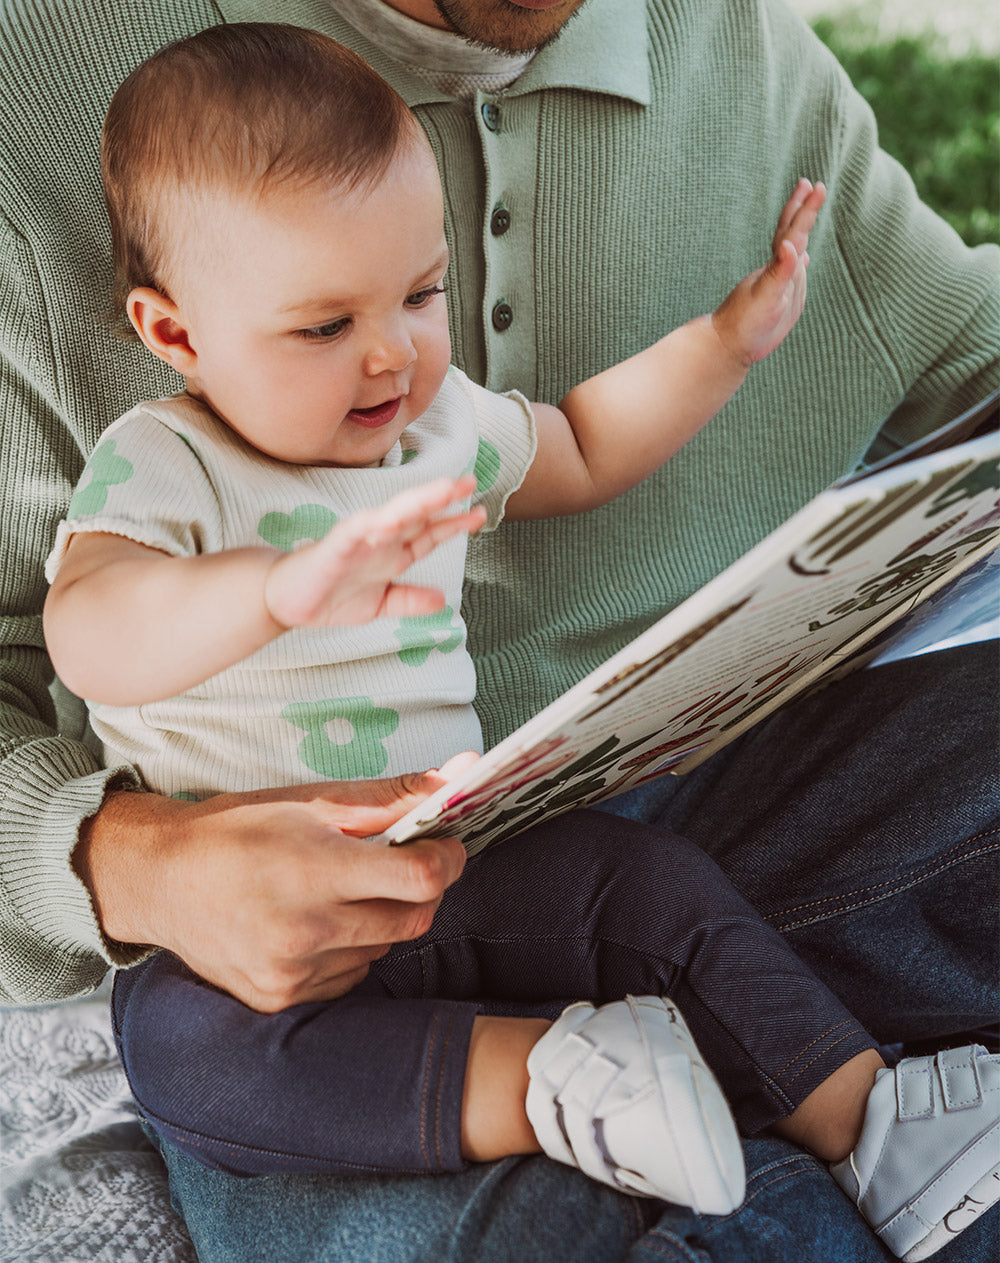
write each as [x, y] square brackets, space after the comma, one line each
[349, 575]
[762, 309]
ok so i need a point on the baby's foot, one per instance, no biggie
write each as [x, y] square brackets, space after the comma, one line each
[622, 1093]
[928, 1160]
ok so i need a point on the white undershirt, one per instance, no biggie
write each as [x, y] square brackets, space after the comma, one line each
[445, 60]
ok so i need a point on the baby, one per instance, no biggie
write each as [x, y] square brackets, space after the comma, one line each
[259, 583]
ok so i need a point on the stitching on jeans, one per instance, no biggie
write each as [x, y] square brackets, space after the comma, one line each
[821, 1055]
[437, 1103]
[423, 1094]
[631, 1217]
[460, 936]
[883, 886]
[879, 885]
[669, 1246]
[802, 1052]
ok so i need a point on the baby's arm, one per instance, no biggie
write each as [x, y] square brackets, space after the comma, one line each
[615, 429]
[126, 624]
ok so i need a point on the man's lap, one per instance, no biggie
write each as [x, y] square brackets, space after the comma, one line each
[532, 1210]
[863, 822]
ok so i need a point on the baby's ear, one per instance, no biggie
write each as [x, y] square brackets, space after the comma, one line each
[159, 323]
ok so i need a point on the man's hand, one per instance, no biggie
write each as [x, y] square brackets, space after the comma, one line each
[350, 575]
[761, 311]
[277, 896]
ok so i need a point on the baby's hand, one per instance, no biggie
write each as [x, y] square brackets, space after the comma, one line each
[762, 309]
[349, 575]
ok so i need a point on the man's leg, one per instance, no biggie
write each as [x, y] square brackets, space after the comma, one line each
[863, 822]
[531, 1210]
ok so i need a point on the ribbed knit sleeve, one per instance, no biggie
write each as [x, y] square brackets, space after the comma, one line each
[930, 306]
[63, 378]
[48, 783]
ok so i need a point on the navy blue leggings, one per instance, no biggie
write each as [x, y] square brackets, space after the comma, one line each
[587, 906]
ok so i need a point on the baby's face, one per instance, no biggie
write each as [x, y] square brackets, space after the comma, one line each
[319, 321]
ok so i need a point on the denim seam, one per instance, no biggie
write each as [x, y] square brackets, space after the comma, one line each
[441, 1072]
[802, 1165]
[887, 887]
[461, 936]
[630, 1213]
[423, 1094]
[820, 1056]
[670, 1246]
[802, 1052]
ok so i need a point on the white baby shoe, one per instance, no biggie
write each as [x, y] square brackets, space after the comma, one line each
[928, 1160]
[622, 1093]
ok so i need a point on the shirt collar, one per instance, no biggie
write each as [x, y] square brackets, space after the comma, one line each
[603, 48]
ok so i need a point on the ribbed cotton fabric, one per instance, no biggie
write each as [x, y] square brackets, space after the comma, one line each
[339, 703]
[643, 158]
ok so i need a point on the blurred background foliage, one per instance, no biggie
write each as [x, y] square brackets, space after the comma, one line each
[938, 112]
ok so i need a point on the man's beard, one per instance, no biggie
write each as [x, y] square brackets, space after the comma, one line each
[506, 27]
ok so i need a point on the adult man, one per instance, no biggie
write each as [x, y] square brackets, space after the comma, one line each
[577, 180]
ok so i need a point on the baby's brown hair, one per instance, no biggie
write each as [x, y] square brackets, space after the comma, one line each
[243, 107]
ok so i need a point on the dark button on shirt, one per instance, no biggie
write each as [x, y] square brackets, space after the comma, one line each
[503, 315]
[491, 115]
[499, 221]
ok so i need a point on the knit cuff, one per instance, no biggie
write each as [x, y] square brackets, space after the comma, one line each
[50, 791]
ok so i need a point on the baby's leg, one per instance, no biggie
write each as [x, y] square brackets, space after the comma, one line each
[591, 907]
[366, 1083]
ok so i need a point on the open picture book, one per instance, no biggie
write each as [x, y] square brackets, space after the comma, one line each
[800, 608]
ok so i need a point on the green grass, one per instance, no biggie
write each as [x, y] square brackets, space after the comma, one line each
[938, 114]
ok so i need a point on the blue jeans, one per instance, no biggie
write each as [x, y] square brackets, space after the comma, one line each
[863, 823]
[530, 1210]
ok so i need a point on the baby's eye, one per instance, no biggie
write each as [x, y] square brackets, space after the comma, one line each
[423, 296]
[323, 333]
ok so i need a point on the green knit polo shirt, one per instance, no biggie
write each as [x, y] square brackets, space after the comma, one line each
[639, 165]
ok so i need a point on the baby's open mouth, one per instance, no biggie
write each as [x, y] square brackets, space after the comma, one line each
[380, 415]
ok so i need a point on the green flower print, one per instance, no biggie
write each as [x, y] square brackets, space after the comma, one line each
[364, 755]
[106, 469]
[418, 638]
[487, 466]
[285, 530]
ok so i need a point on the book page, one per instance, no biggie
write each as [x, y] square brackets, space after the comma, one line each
[854, 559]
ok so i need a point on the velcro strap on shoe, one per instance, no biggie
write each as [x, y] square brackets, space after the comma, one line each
[915, 1087]
[959, 1075]
[570, 1053]
[589, 1082]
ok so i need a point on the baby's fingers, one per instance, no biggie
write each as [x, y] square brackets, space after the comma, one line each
[789, 210]
[430, 499]
[805, 205]
[438, 529]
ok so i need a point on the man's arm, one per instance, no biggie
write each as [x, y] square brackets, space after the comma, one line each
[277, 896]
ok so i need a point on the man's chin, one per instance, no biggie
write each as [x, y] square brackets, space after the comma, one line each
[506, 26]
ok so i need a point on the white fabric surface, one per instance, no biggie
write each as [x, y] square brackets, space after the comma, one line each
[79, 1182]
